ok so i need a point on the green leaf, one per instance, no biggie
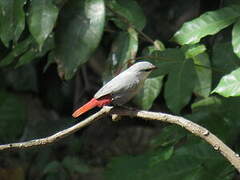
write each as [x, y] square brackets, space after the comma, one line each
[159, 45]
[129, 11]
[229, 85]
[13, 116]
[207, 24]
[123, 49]
[169, 135]
[17, 51]
[181, 76]
[236, 38]
[219, 115]
[191, 161]
[42, 18]
[34, 52]
[12, 20]
[179, 85]
[149, 92]
[194, 50]
[165, 154]
[224, 61]
[212, 103]
[196, 160]
[166, 61]
[204, 75]
[78, 34]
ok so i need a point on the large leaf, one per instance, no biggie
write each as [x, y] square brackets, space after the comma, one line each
[123, 49]
[229, 85]
[78, 34]
[129, 11]
[204, 75]
[13, 116]
[181, 76]
[42, 18]
[166, 61]
[236, 38]
[149, 92]
[207, 24]
[12, 20]
[179, 85]
[224, 61]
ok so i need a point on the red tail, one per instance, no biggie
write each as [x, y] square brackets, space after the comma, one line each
[91, 104]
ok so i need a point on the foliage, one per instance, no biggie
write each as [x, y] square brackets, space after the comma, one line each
[198, 77]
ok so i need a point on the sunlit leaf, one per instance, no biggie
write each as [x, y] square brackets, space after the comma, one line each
[207, 24]
[78, 34]
[236, 38]
[194, 50]
[12, 20]
[42, 18]
[229, 85]
[159, 45]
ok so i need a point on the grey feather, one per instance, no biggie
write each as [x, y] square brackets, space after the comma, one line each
[126, 85]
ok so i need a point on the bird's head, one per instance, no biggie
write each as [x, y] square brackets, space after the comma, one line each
[143, 69]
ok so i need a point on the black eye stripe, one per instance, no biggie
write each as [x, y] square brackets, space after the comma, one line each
[146, 70]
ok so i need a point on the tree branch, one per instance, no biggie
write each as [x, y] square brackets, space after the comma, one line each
[192, 127]
[57, 136]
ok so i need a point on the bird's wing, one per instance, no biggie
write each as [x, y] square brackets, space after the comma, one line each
[121, 83]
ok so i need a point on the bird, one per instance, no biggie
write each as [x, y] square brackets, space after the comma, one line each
[120, 89]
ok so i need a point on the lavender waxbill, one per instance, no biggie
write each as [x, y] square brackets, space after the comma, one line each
[120, 89]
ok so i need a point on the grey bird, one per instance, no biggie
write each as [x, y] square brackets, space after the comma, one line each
[120, 89]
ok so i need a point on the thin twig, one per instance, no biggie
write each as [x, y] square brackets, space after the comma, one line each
[192, 127]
